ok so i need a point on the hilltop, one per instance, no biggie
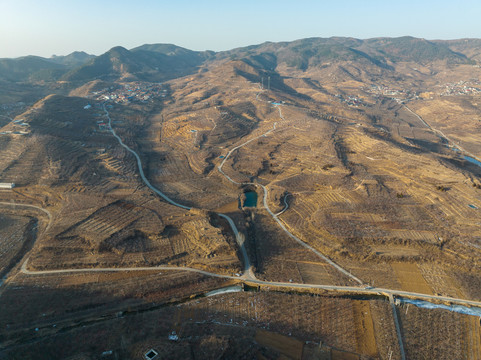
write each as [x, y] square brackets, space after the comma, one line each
[166, 61]
[281, 200]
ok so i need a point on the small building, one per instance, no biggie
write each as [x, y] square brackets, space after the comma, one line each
[151, 354]
[7, 185]
[173, 336]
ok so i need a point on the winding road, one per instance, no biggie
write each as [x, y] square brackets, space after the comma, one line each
[442, 135]
[286, 205]
[266, 205]
[45, 211]
[239, 239]
[355, 290]
[19, 205]
[248, 276]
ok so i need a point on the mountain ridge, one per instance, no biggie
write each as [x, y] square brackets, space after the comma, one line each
[160, 62]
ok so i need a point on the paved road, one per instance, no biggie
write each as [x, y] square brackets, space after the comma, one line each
[141, 169]
[286, 205]
[248, 275]
[272, 284]
[369, 291]
[32, 207]
[238, 237]
[113, 269]
[274, 216]
[398, 327]
[17, 205]
[442, 135]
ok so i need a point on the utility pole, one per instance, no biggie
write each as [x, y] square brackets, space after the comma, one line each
[268, 83]
[262, 83]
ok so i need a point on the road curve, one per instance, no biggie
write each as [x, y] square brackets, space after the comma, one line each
[237, 235]
[286, 205]
[442, 135]
[49, 215]
[141, 169]
[274, 284]
[274, 216]
[33, 207]
[248, 276]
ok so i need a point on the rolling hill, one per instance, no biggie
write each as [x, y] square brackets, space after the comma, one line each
[76, 58]
[149, 62]
[31, 69]
[160, 62]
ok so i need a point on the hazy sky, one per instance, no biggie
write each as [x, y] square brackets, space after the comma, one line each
[46, 27]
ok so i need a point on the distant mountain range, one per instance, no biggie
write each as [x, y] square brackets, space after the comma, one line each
[159, 62]
[147, 62]
[76, 58]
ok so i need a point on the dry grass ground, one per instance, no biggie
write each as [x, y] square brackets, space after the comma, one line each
[363, 181]
[290, 347]
[474, 338]
[258, 326]
[369, 185]
[71, 298]
[230, 325]
[411, 278]
[14, 231]
[366, 341]
[438, 334]
[102, 214]
[456, 116]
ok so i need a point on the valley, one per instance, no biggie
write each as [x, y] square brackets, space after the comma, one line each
[129, 203]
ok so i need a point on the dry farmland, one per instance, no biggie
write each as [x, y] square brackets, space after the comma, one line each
[15, 234]
[362, 187]
[256, 325]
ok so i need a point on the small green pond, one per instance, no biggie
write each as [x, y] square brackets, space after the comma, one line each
[251, 199]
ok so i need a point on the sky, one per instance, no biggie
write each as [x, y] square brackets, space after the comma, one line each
[47, 27]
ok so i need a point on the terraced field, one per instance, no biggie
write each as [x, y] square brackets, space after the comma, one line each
[365, 185]
[13, 235]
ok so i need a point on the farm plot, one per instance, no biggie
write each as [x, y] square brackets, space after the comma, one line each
[232, 326]
[124, 233]
[366, 340]
[441, 281]
[314, 273]
[473, 341]
[11, 150]
[343, 324]
[12, 238]
[394, 251]
[410, 278]
[103, 223]
[274, 252]
[285, 345]
[436, 333]
[30, 301]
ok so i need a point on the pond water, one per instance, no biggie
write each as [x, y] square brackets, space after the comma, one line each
[251, 199]
[472, 160]
[475, 311]
[229, 289]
